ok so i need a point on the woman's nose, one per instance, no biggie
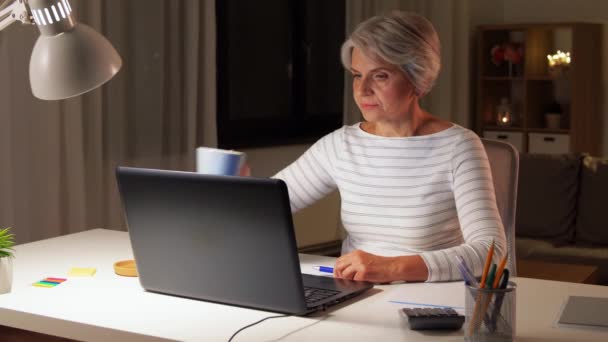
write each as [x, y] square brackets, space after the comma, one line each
[364, 87]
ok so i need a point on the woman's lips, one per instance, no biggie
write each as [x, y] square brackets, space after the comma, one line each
[368, 105]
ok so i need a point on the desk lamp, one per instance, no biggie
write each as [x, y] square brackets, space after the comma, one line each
[69, 58]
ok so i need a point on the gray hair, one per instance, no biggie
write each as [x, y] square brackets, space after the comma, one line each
[403, 39]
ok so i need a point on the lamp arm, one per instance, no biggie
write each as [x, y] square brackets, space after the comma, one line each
[17, 11]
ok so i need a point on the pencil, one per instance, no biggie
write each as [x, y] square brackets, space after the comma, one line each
[482, 284]
[494, 285]
[486, 267]
[501, 268]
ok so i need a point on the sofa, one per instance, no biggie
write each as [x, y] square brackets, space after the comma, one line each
[562, 210]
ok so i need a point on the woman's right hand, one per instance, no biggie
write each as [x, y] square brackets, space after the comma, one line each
[245, 170]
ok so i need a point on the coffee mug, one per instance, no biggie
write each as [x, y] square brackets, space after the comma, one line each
[216, 161]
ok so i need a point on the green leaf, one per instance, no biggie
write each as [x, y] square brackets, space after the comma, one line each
[6, 242]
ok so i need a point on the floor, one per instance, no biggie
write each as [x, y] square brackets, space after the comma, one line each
[8, 334]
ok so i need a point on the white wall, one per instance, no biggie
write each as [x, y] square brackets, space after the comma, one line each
[315, 224]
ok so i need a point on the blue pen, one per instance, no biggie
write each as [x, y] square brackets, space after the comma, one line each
[468, 279]
[324, 269]
[464, 264]
[467, 275]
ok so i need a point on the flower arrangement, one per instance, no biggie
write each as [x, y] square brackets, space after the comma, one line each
[559, 59]
[6, 242]
[507, 52]
[559, 64]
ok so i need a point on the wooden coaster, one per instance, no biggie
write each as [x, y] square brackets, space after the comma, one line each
[126, 268]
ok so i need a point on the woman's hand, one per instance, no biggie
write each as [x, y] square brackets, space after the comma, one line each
[360, 265]
[245, 170]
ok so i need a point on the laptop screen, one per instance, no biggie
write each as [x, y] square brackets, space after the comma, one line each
[218, 238]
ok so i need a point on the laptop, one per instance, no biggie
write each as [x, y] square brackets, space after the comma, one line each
[222, 239]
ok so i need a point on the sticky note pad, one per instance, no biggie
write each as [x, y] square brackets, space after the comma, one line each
[49, 282]
[55, 280]
[43, 284]
[82, 272]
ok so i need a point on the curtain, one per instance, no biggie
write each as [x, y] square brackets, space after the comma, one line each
[449, 99]
[58, 157]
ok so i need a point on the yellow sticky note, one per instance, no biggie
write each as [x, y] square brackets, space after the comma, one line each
[82, 272]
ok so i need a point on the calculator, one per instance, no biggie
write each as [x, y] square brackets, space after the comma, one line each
[433, 318]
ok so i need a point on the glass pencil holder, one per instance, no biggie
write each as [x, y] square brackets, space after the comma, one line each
[490, 314]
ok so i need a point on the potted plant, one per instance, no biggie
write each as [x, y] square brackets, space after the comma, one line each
[553, 115]
[6, 260]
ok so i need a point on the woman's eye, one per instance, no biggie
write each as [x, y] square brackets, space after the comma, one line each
[380, 76]
[356, 76]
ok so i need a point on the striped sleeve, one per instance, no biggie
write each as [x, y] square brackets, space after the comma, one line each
[478, 215]
[310, 177]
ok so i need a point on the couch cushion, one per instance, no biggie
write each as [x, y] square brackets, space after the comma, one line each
[592, 219]
[536, 249]
[547, 194]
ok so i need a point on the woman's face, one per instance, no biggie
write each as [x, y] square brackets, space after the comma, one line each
[381, 90]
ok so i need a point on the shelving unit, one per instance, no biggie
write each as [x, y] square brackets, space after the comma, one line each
[531, 87]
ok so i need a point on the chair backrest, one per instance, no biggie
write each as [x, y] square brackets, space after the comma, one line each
[504, 162]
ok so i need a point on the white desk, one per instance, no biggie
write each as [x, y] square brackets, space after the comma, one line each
[108, 307]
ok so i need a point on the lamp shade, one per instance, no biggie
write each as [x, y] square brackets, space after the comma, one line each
[69, 58]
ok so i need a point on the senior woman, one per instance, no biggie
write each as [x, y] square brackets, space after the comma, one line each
[416, 190]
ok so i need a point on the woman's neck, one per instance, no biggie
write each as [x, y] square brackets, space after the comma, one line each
[411, 124]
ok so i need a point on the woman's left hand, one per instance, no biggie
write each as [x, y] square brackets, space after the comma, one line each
[360, 265]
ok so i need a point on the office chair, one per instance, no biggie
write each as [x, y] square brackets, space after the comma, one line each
[504, 162]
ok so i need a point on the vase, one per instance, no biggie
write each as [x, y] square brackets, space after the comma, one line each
[504, 113]
[6, 274]
[553, 120]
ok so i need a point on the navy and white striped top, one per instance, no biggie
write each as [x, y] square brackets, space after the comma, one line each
[430, 195]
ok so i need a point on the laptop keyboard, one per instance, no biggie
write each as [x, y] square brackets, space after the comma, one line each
[313, 295]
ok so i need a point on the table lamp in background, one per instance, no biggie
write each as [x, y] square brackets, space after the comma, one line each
[69, 58]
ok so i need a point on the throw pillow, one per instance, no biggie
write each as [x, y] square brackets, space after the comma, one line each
[546, 196]
[591, 220]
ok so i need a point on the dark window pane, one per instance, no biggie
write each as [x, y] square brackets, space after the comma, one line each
[279, 76]
[322, 25]
[257, 59]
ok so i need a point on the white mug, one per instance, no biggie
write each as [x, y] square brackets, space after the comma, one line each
[215, 161]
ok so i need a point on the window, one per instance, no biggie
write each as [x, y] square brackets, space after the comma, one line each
[279, 77]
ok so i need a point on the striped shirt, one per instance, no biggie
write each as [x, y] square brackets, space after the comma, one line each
[428, 195]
